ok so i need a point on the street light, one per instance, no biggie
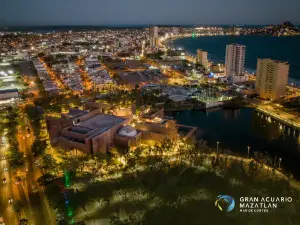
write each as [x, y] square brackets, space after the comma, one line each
[279, 162]
[248, 151]
[218, 146]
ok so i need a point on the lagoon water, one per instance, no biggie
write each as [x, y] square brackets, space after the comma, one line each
[278, 48]
[236, 129]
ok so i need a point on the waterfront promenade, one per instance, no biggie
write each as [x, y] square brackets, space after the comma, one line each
[280, 115]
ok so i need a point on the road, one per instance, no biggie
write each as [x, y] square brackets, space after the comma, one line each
[34, 205]
[280, 115]
[34, 208]
[6, 190]
[37, 210]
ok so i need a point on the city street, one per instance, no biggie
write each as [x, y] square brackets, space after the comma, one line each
[280, 115]
[38, 208]
[6, 190]
[33, 198]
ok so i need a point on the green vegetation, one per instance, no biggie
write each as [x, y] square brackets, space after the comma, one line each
[292, 104]
[23, 222]
[169, 183]
[17, 206]
[236, 103]
[15, 157]
[40, 142]
[121, 97]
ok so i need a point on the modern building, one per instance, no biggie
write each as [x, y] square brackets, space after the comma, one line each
[235, 63]
[153, 36]
[9, 94]
[175, 54]
[271, 78]
[156, 127]
[202, 57]
[91, 131]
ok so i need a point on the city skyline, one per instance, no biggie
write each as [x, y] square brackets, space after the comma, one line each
[143, 112]
[133, 12]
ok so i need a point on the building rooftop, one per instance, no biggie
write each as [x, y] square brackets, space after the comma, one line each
[274, 60]
[240, 45]
[101, 121]
[81, 130]
[8, 90]
[77, 112]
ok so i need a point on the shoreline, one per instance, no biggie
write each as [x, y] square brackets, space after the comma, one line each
[289, 166]
[291, 80]
[279, 171]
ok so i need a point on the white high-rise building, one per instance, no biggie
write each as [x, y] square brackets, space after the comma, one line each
[235, 62]
[202, 57]
[271, 78]
[153, 36]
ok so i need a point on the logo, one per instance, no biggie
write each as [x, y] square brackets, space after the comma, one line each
[225, 203]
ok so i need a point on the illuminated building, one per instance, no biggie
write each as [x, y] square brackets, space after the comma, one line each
[202, 57]
[271, 78]
[91, 131]
[9, 94]
[153, 36]
[175, 54]
[143, 49]
[235, 62]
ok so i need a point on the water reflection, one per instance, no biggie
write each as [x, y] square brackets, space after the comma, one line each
[237, 129]
[265, 127]
[231, 114]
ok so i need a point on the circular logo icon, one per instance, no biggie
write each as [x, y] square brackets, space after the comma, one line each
[225, 203]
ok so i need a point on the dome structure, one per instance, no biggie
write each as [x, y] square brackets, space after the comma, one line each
[128, 131]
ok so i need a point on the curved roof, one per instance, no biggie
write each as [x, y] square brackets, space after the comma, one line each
[128, 131]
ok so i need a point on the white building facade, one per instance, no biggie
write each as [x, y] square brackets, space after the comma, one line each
[202, 57]
[235, 62]
[153, 35]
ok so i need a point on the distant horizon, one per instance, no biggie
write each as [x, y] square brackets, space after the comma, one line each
[144, 25]
[139, 13]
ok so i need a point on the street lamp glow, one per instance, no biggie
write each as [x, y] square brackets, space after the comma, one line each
[248, 151]
[279, 162]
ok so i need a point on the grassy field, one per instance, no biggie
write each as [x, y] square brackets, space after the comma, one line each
[171, 184]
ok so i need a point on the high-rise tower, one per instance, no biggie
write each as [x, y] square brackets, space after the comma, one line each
[235, 62]
[271, 78]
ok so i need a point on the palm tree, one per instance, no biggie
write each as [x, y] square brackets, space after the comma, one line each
[23, 222]
[101, 202]
[17, 206]
[268, 161]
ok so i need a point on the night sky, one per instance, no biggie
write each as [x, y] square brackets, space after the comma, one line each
[135, 12]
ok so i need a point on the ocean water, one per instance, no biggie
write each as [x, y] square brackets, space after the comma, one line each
[277, 48]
